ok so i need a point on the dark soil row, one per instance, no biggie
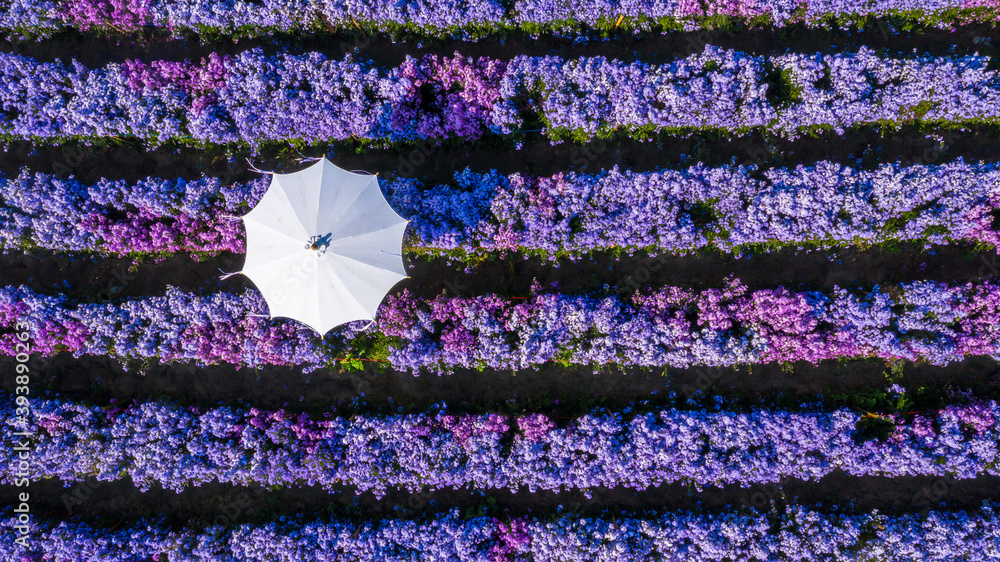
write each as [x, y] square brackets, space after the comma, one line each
[562, 392]
[437, 162]
[91, 278]
[391, 48]
[222, 504]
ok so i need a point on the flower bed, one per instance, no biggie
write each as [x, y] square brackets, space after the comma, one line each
[179, 447]
[798, 534]
[467, 19]
[671, 326]
[252, 98]
[119, 217]
[725, 208]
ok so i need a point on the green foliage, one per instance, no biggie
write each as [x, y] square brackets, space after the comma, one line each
[898, 223]
[563, 356]
[480, 510]
[782, 91]
[826, 82]
[702, 213]
[918, 111]
[872, 427]
[935, 230]
[895, 371]
[366, 348]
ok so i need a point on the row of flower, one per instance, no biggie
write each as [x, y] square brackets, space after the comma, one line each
[925, 321]
[800, 534]
[568, 213]
[439, 17]
[254, 98]
[157, 443]
[119, 217]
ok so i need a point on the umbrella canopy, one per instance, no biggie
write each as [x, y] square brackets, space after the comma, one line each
[324, 246]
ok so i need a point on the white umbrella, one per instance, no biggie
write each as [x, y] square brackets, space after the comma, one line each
[324, 246]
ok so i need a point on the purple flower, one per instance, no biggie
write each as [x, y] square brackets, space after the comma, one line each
[157, 443]
[801, 534]
[253, 98]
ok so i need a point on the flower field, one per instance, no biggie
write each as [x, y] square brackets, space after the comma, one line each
[253, 98]
[927, 322]
[176, 448]
[711, 280]
[482, 539]
[675, 211]
[253, 18]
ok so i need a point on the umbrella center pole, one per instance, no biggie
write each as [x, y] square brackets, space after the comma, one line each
[318, 243]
